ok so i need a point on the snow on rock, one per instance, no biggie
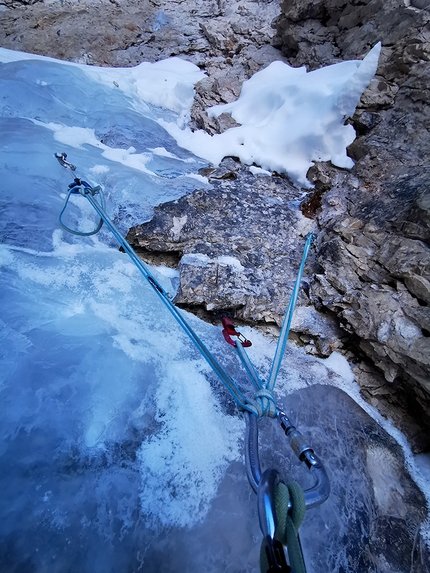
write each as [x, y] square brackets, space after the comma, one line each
[289, 118]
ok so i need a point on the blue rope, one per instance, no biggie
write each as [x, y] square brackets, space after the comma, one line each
[263, 403]
[89, 192]
[265, 400]
[288, 317]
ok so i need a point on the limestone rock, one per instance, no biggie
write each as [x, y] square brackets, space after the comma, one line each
[240, 246]
[373, 250]
[366, 455]
[377, 280]
[238, 242]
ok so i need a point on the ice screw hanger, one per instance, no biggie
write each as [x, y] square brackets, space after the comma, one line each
[62, 161]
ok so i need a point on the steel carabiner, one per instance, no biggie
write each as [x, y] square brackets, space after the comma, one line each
[315, 495]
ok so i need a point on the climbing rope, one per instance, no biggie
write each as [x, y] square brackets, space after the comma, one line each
[89, 192]
[289, 514]
[264, 397]
[263, 402]
[287, 502]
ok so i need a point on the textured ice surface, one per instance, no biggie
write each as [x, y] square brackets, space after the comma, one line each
[119, 450]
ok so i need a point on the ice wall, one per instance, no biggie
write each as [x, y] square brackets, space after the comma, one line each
[119, 449]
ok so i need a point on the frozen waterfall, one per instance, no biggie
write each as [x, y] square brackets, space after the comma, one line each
[120, 451]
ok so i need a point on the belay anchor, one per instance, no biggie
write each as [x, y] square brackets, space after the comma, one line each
[281, 507]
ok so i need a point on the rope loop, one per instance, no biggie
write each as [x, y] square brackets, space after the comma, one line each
[292, 494]
[265, 403]
[288, 521]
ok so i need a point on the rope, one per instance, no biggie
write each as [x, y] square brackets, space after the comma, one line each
[290, 507]
[288, 522]
[288, 317]
[264, 400]
[249, 367]
[89, 193]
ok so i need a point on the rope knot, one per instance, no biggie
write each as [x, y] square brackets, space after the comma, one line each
[265, 403]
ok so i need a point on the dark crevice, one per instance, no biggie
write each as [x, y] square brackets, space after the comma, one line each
[393, 283]
[212, 316]
[325, 16]
[420, 301]
[167, 258]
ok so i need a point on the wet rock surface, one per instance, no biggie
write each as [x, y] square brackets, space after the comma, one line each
[375, 489]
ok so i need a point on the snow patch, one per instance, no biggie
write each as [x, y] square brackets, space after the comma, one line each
[339, 364]
[258, 171]
[99, 169]
[195, 259]
[231, 262]
[289, 118]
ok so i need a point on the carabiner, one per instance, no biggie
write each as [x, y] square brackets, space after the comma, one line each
[315, 495]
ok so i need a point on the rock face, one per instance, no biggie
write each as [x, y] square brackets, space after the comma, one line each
[369, 461]
[239, 247]
[373, 249]
[229, 40]
[371, 275]
[126, 32]
[239, 257]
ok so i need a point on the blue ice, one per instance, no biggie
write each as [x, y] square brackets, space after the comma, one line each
[160, 21]
[88, 351]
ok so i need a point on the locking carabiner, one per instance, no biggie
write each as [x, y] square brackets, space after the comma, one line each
[315, 495]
